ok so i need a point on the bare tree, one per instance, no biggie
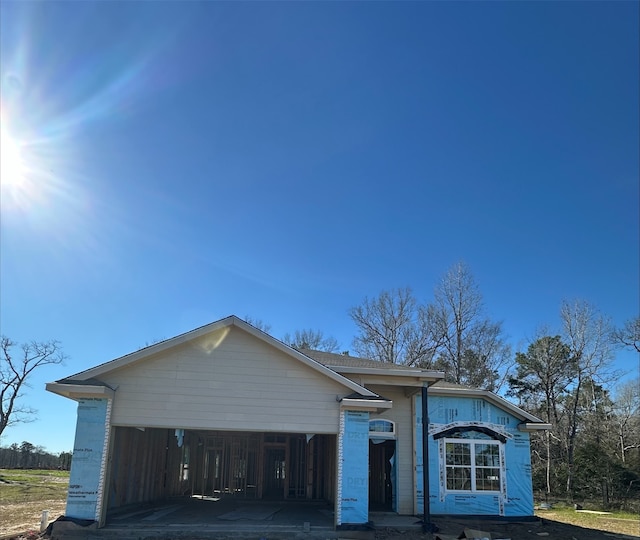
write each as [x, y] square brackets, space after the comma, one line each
[589, 336]
[14, 372]
[629, 334]
[470, 349]
[311, 339]
[627, 417]
[393, 329]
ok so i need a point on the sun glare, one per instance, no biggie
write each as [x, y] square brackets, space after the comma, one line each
[11, 165]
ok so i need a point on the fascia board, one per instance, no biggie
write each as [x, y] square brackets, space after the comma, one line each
[391, 381]
[78, 391]
[213, 327]
[489, 396]
[420, 374]
[365, 404]
[530, 426]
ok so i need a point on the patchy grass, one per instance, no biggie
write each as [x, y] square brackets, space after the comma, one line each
[613, 522]
[17, 486]
[24, 494]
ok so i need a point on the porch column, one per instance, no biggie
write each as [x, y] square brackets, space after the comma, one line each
[88, 464]
[422, 477]
[352, 501]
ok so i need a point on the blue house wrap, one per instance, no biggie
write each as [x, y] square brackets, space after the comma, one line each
[86, 477]
[354, 470]
[479, 459]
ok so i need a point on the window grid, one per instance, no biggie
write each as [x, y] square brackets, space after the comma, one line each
[472, 465]
[381, 426]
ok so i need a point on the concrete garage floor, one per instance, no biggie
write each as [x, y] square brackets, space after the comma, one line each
[209, 518]
[225, 514]
[198, 517]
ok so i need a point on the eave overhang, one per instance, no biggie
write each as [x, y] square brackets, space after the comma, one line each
[371, 405]
[425, 375]
[530, 427]
[406, 378]
[80, 391]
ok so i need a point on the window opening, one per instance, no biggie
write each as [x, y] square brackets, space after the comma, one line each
[472, 465]
[382, 429]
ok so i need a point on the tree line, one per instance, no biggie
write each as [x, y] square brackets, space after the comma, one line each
[564, 377]
[29, 456]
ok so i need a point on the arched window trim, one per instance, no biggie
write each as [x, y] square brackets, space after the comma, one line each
[377, 434]
[492, 433]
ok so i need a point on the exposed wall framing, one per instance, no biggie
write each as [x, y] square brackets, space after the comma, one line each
[145, 465]
[226, 465]
[151, 464]
[264, 465]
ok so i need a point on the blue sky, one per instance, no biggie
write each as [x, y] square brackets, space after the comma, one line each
[190, 160]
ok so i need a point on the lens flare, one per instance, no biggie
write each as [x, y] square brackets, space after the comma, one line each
[11, 161]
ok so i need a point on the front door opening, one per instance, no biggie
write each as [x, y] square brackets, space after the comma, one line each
[381, 480]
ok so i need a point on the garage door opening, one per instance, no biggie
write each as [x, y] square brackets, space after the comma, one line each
[150, 464]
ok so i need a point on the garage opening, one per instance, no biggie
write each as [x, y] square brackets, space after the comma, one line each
[149, 464]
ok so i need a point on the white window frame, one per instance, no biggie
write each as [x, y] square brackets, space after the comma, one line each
[382, 434]
[472, 466]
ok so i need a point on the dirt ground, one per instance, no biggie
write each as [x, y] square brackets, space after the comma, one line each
[16, 518]
[542, 529]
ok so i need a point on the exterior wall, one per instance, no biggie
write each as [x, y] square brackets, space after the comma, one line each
[402, 415]
[353, 469]
[86, 480]
[226, 381]
[515, 497]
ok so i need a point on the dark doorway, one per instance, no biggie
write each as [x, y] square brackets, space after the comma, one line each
[274, 473]
[380, 476]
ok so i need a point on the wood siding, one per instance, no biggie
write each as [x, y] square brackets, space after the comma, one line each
[226, 381]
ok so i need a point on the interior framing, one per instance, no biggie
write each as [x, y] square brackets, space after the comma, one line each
[150, 464]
